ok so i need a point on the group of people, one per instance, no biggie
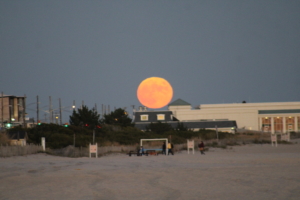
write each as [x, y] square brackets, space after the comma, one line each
[170, 148]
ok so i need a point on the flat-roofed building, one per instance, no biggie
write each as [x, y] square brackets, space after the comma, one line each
[144, 117]
[12, 110]
[274, 117]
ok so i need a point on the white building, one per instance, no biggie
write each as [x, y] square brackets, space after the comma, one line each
[278, 117]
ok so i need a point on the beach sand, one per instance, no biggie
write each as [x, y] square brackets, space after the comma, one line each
[240, 172]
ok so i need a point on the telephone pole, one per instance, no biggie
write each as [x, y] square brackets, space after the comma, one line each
[37, 109]
[60, 115]
[24, 110]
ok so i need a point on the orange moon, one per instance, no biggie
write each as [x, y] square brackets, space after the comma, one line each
[155, 92]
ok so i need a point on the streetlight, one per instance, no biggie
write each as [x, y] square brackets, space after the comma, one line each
[56, 118]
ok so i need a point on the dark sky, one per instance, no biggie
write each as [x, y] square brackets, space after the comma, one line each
[99, 51]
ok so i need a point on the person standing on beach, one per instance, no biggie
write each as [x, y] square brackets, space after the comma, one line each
[164, 148]
[201, 148]
[170, 147]
[141, 151]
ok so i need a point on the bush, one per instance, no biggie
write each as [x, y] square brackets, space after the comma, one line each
[216, 145]
[4, 139]
[256, 141]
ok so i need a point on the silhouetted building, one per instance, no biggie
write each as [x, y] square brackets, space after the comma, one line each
[12, 110]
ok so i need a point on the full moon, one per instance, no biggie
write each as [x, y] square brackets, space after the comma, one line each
[155, 92]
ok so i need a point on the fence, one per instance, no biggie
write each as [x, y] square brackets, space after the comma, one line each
[71, 151]
[8, 151]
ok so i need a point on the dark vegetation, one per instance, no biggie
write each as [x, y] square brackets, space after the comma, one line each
[59, 136]
[116, 128]
[113, 128]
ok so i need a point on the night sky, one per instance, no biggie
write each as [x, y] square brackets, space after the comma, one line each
[98, 52]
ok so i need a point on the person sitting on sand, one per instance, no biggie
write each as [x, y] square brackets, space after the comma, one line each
[201, 147]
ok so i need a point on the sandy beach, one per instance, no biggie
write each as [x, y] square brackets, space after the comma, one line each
[239, 172]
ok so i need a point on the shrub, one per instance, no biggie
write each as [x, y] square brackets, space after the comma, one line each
[256, 141]
[4, 139]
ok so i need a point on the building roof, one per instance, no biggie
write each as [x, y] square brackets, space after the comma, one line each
[211, 124]
[8, 95]
[179, 102]
[152, 116]
[196, 125]
[279, 111]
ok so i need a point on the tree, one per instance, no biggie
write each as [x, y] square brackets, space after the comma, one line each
[159, 127]
[181, 127]
[85, 117]
[118, 117]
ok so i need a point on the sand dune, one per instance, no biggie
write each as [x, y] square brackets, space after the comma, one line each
[242, 172]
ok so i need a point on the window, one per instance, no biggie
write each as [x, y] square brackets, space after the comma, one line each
[290, 121]
[266, 124]
[278, 125]
[144, 117]
[160, 117]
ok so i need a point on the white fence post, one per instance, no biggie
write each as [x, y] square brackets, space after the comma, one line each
[44, 144]
[93, 149]
[274, 139]
[190, 145]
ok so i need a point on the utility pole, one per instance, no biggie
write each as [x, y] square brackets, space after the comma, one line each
[2, 111]
[133, 111]
[93, 136]
[60, 115]
[24, 110]
[50, 117]
[37, 109]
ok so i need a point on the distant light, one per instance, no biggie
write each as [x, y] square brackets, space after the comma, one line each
[12, 119]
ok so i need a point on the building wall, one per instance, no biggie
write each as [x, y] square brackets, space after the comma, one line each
[245, 114]
[4, 109]
[11, 108]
